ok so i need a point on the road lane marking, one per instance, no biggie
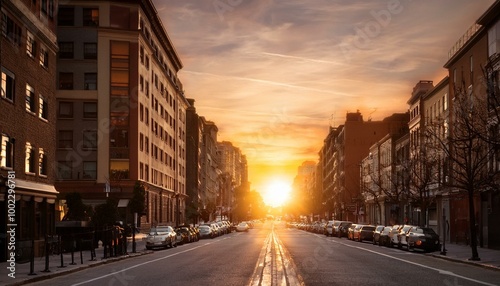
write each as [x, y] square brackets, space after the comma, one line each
[440, 271]
[144, 263]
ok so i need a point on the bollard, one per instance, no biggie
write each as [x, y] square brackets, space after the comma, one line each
[60, 251]
[73, 250]
[32, 258]
[81, 251]
[47, 248]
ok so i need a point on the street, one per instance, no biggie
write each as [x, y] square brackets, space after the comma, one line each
[237, 259]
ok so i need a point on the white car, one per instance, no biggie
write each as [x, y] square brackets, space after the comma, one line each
[242, 226]
[161, 236]
[402, 242]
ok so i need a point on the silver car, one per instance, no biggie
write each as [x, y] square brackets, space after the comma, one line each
[161, 236]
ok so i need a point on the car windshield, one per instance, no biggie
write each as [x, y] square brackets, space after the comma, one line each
[369, 228]
[158, 230]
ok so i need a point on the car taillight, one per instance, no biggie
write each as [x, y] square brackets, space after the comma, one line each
[419, 242]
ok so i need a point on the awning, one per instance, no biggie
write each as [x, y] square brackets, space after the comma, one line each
[123, 203]
[35, 189]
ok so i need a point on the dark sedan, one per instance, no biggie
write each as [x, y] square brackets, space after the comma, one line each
[423, 238]
[366, 233]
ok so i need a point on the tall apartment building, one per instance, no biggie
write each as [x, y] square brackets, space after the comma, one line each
[194, 136]
[210, 176]
[28, 50]
[121, 109]
[234, 167]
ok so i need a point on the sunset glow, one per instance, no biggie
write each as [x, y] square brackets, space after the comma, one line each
[277, 193]
[274, 75]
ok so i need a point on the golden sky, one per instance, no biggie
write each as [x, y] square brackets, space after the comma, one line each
[274, 74]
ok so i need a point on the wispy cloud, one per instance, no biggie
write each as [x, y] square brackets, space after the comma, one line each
[274, 74]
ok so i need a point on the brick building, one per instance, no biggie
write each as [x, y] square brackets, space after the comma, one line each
[28, 120]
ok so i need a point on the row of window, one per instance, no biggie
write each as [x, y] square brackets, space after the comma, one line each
[33, 163]
[66, 16]
[88, 171]
[156, 152]
[66, 81]
[157, 177]
[67, 50]
[66, 110]
[31, 103]
[88, 142]
[31, 50]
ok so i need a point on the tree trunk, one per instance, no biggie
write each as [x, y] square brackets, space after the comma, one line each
[472, 226]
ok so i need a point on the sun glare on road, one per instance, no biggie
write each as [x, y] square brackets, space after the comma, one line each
[277, 193]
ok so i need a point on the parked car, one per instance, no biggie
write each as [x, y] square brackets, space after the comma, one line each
[206, 232]
[343, 228]
[402, 235]
[366, 233]
[161, 236]
[393, 235]
[424, 238]
[376, 233]
[356, 232]
[384, 238]
[242, 226]
[187, 234]
[329, 228]
[350, 231]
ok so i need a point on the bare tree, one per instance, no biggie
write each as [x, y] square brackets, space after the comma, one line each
[465, 150]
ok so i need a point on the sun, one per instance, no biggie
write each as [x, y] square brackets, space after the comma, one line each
[277, 193]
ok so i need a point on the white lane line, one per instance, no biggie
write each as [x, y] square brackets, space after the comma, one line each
[142, 264]
[440, 271]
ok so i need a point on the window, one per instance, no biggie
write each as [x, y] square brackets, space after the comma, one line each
[30, 99]
[90, 170]
[43, 6]
[66, 16]
[141, 54]
[66, 50]
[66, 80]
[65, 109]
[30, 45]
[90, 17]
[11, 30]
[90, 81]
[65, 139]
[30, 159]
[44, 57]
[64, 170]
[90, 51]
[7, 84]
[146, 144]
[90, 110]
[141, 142]
[43, 110]
[90, 139]
[141, 112]
[7, 152]
[42, 163]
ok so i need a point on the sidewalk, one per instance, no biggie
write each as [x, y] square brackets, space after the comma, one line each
[23, 270]
[490, 258]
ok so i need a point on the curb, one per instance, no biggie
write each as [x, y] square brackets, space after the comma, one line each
[482, 265]
[82, 267]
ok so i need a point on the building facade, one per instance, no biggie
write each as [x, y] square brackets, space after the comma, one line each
[121, 108]
[28, 50]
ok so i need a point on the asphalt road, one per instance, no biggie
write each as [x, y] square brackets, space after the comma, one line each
[318, 260]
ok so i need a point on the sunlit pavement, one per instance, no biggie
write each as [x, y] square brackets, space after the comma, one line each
[275, 265]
